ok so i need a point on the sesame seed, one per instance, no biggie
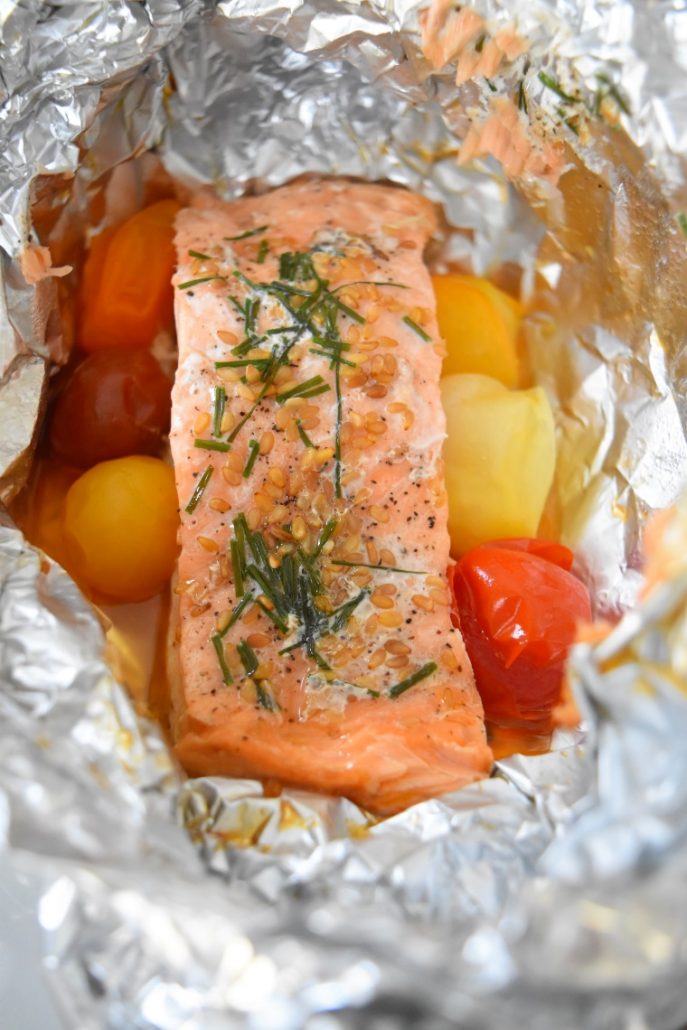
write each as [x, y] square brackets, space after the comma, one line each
[398, 661]
[396, 647]
[201, 423]
[219, 504]
[208, 544]
[390, 619]
[231, 477]
[266, 445]
[227, 422]
[381, 600]
[425, 603]
[299, 529]
[386, 556]
[378, 514]
[226, 336]
[258, 640]
[440, 597]
[449, 660]
[376, 659]
[377, 390]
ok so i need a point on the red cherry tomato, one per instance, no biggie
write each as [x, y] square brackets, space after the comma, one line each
[519, 607]
[115, 403]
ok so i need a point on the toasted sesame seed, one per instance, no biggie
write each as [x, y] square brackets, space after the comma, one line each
[376, 390]
[277, 476]
[390, 589]
[396, 647]
[201, 423]
[219, 504]
[223, 620]
[372, 553]
[387, 341]
[420, 601]
[226, 336]
[283, 418]
[199, 609]
[252, 374]
[356, 379]
[266, 444]
[264, 502]
[323, 455]
[299, 530]
[386, 556]
[228, 375]
[361, 577]
[390, 619]
[397, 661]
[253, 518]
[436, 581]
[249, 691]
[258, 640]
[448, 659]
[395, 408]
[376, 659]
[381, 600]
[232, 477]
[208, 544]
[372, 624]
[440, 597]
[379, 514]
[227, 422]
[439, 349]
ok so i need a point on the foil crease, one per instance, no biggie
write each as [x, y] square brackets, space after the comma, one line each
[546, 894]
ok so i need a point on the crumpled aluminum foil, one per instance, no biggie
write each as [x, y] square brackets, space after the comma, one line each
[547, 895]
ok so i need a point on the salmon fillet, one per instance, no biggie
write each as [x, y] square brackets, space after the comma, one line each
[313, 640]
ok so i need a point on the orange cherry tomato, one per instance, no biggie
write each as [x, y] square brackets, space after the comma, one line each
[519, 607]
[115, 402]
[126, 292]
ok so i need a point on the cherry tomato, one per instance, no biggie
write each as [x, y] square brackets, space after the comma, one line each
[114, 403]
[120, 526]
[126, 292]
[519, 607]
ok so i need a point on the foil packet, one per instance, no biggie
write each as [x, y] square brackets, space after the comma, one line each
[548, 894]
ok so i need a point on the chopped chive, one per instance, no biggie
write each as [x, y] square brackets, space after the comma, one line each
[344, 308]
[200, 487]
[279, 623]
[343, 613]
[265, 699]
[246, 234]
[381, 568]
[242, 363]
[254, 448]
[410, 681]
[196, 282]
[682, 221]
[326, 534]
[212, 445]
[236, 614]
[303, 435]
[490, 84]
[249, 659]
[220, 401]
[237, 568]
[370, 282]
[479, 45]
[301, 389]
[556, 88]
[263, 250]
[522, 97]
[200, 256]
[416, 328]
[328, 354]
[219, 649]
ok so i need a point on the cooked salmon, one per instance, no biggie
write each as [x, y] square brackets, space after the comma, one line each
[313, 642]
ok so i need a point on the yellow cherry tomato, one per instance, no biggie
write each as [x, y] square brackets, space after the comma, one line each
[120, 527]
[480, 325]
[500, 456]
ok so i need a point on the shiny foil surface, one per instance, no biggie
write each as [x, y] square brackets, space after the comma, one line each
[548, 895]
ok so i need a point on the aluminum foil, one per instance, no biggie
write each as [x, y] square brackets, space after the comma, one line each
[547, 895]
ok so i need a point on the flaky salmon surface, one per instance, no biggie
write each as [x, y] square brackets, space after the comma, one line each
[313, 642]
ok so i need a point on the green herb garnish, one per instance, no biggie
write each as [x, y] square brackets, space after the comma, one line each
[212, 445]
[219, 649]
[264, 698]
[309, 388]
[196, 282]
[248, 657]
[219, 404]
[303, 435]
[200, 256]
[556, 88]
[380, 568]
[681, 218]
[416, 328]
[263, 250]
[254, 448]
[328, 531]
[406, 684]
[200, 487]
[236, 614]
[246, 234]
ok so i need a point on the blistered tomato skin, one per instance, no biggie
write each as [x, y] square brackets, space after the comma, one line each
[120, 528]
[114, 403]
[519, 610]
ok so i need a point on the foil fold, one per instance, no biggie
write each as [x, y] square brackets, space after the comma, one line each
[544, 895]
